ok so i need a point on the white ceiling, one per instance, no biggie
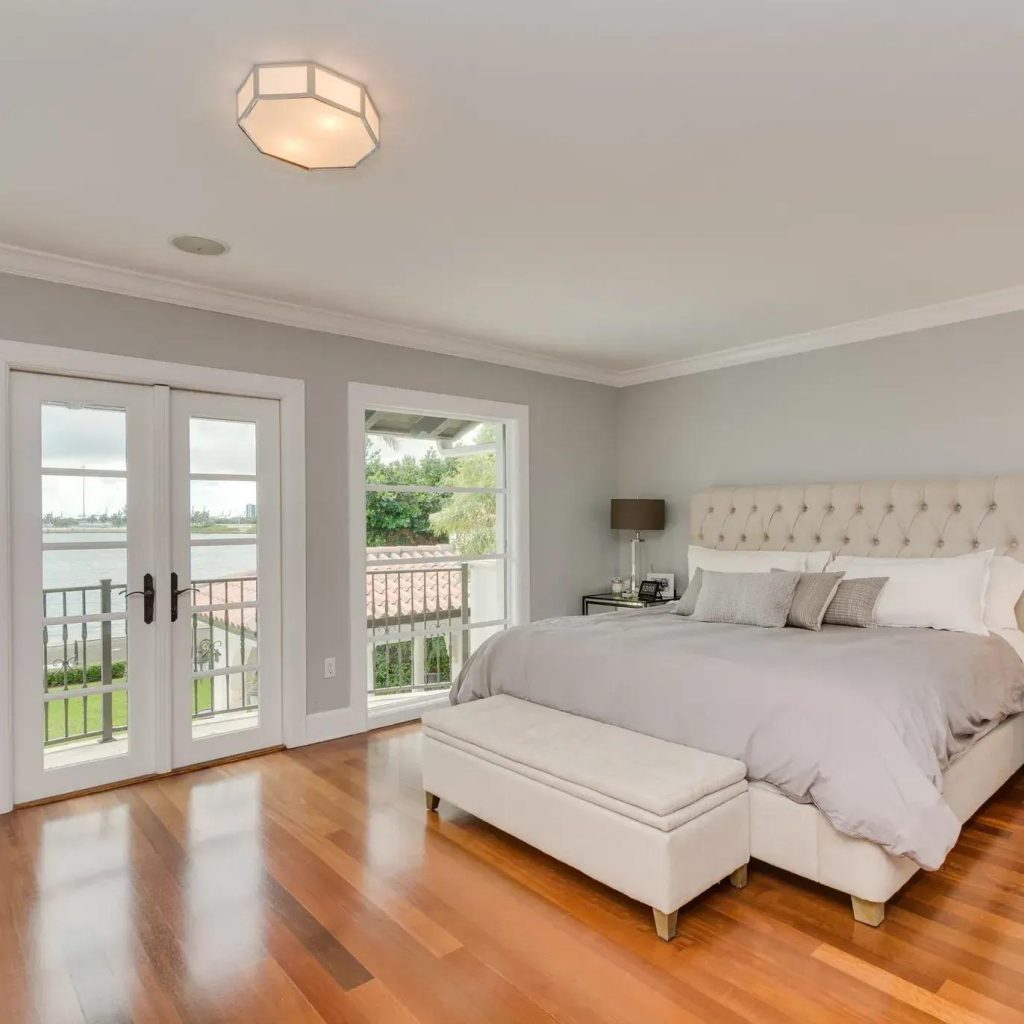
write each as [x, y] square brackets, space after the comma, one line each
[613, 185]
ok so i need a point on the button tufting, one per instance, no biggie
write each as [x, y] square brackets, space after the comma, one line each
[711, 509]
[792, 539]
[803, 508]
[778, 508]
[975, 544]
[906, 542]
[846, 540]
[924, 506]
[733, 509]
[766, 536]
[721, 537]
[957, 507]
[743, 537]
[941, 543]
[1013, 543]
[890, 508]
[874, 540]
[753, 508]
[859, 508]
[817, 538]
[992, 507]
[831, 508]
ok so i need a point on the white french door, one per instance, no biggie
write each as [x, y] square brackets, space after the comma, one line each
[225, 607]
[146, 561]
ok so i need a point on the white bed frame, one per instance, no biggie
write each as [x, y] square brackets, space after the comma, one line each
[924, 518]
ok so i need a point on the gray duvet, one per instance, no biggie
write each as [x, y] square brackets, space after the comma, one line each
[861, 722]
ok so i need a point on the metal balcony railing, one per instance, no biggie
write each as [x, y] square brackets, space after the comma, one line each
[81, 651]
[416, 625]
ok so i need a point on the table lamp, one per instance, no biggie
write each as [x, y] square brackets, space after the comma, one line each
[637, 514]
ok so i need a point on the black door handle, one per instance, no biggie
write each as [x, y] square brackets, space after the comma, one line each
[148, 593]
[176, 593]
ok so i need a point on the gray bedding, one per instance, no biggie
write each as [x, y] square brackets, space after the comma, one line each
[861, 722]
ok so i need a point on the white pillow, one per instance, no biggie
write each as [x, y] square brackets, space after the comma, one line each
[712, 560]
[1005, 585]
[817, 560]
[938, 593]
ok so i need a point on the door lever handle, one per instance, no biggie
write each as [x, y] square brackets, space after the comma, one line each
[176, 593]
[148, 593]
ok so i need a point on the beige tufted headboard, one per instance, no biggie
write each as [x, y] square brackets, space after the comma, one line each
[884, 518]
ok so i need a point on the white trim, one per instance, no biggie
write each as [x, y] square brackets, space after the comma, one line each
[406, 710]
[332, 725]
[15, 355]
[100, 277]
[973, 307]
[84, 274]
[428, 489]
[516, 419]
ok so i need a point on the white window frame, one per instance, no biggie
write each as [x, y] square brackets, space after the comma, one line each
[516, 421]
[16, 355]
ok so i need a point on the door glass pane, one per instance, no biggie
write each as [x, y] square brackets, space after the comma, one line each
[222, 446]
[81, 657]
[83, 437]
[225, 603]
[87, 728]
[223, 507]
[84, 509]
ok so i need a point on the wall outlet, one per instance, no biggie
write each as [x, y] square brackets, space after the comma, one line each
[330, 668]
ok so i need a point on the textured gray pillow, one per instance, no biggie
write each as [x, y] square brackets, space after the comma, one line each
[813, 595]
[854, 603]
[746, 598]
[688, 601]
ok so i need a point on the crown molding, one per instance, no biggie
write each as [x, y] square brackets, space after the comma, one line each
[133, 283]
[100, 277]
[974, 307]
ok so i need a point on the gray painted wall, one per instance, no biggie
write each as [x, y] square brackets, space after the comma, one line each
[942, 402]
[572, 444]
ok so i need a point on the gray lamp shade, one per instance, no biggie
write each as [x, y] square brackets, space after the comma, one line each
[638, 514]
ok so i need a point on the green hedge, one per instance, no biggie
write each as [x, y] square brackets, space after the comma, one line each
[72, 676]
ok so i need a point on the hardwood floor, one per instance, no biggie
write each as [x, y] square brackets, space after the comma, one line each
[313, 886]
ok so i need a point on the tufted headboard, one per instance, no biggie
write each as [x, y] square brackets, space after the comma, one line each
[884, 518]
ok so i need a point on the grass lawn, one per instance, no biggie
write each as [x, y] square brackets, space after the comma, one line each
[89, 711]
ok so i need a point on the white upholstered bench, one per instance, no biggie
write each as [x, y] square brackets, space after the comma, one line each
[655, 820]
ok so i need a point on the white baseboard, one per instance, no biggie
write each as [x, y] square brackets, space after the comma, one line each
[409, 711]
[331, 725]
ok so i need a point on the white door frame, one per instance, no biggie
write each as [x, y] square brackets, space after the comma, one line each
[15, 355]
[516, 419]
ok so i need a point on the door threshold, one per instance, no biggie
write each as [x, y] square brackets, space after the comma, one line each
[121, 783]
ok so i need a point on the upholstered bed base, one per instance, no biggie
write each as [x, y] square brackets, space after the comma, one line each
[799, 838]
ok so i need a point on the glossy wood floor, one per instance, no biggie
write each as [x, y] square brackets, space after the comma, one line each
[312, 886]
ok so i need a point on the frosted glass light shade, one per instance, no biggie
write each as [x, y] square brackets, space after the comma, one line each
[307, 115]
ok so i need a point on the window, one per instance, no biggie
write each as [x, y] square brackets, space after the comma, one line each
[441, 566]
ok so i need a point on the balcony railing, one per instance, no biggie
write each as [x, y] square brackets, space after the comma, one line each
[82, 651]
[416, 626]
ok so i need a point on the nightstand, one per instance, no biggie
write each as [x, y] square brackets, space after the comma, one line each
[593, 603]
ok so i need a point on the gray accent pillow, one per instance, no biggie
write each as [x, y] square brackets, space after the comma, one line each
[854, 603]
[813, 595]
[746, 598]
[688, 601]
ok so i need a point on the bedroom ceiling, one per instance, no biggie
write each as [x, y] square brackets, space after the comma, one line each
[611, 185]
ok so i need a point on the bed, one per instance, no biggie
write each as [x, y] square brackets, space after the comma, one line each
[902, 518]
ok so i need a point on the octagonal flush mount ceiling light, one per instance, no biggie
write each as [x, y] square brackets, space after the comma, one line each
[308, 115]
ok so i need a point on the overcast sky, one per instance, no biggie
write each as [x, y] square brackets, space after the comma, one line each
[95, 439]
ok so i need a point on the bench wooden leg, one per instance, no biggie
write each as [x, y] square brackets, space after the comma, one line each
[665, 924]
[431, 800]
[867, 912]
[738, 878]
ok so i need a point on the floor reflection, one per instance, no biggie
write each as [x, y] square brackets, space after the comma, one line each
[224, 880]
[82, 946]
